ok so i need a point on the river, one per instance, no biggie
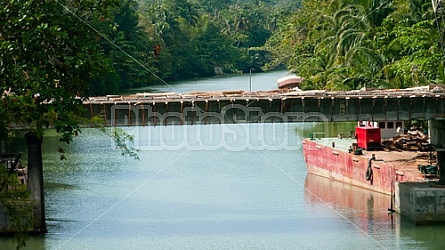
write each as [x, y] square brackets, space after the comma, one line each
[211, 187]
[246, 82]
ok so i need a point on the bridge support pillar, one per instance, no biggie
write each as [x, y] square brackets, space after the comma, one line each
[35, 181]
[437, 139]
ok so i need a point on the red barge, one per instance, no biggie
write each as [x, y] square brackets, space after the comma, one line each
[374, 170]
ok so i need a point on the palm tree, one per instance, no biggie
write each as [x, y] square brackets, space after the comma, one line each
[410, 10]
[350, 31]
[241, 23]
[161, 22]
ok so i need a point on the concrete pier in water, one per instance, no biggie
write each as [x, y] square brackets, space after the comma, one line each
[422, 202]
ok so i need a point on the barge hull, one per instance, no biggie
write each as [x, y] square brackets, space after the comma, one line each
[325, 159]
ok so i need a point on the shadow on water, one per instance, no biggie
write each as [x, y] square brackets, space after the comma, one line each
[55, 185]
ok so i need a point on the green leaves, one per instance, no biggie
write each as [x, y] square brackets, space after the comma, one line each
[47, 57]
[412, 53]
[351, 44]
[14, 199]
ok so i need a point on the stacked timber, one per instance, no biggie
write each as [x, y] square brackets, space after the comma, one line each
[413, 140]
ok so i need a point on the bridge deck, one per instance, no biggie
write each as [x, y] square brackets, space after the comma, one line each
[421, 103]
[272, 94]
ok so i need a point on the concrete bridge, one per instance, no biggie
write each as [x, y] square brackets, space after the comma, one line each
[154, 109]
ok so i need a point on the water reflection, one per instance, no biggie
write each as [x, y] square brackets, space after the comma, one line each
[368, 212]
[327, 129]
[357, 205]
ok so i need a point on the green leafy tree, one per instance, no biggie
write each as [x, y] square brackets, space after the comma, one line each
[130, 51]
[413, 55]
[49, 55]
[14, 202]
[215, 48]
[180, 26]
[343, 45]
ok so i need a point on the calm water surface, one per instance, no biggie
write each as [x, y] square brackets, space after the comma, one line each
[218, 198]
[211, 187]
[246, 82]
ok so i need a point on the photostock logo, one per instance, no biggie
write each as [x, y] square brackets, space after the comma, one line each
[236, 127]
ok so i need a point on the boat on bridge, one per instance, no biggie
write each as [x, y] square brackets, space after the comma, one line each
[289, 82]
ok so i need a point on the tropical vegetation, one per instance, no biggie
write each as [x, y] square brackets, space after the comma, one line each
[345, 44]
[54, 53]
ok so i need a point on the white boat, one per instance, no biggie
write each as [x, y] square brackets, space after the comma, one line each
[289, 82]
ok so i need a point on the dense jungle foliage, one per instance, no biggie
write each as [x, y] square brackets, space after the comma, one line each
[53, 52]
[149, 41]
[333, 44]
[350, 44]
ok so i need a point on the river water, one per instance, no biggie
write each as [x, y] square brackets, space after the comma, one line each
[247, 82]
[211, 187]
